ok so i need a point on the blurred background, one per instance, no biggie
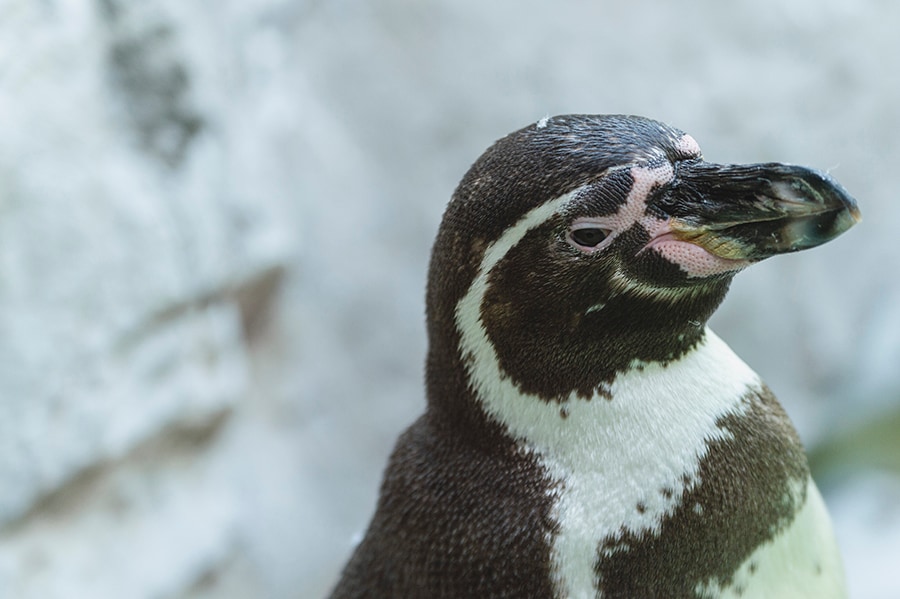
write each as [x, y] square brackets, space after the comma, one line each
[215, 221]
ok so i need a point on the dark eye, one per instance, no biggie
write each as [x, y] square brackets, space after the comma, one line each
[588, 237]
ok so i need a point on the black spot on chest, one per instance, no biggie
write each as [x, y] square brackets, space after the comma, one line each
[744, 495]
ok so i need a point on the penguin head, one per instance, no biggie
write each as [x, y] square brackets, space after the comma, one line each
[583, 245]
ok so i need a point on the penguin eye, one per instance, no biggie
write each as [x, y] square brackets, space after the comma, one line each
[588, 237]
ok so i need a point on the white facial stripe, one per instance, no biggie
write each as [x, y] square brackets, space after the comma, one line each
[608, 456]
[514, 235]
[484, 368]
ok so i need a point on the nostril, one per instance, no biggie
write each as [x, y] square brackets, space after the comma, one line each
[663, 202]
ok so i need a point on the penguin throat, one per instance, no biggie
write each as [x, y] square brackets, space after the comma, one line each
[553, 355]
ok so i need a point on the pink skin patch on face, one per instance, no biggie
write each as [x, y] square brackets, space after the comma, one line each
[632, 211]
[690, 257]
[688, 146]
[695, 261]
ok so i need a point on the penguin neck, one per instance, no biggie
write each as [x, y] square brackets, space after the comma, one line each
[554, 351]
[552, 357]
[608, 369]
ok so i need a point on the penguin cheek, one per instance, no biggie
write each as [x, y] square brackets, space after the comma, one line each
[654, 270]
[647, 267]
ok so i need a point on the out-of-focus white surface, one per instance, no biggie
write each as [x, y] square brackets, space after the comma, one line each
[867, 525]
[163, 164]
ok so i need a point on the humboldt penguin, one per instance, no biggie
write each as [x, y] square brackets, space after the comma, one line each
[586, 434]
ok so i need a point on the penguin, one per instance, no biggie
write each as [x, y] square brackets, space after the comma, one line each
[586, 434]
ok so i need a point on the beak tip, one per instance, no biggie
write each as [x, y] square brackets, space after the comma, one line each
[848, 213]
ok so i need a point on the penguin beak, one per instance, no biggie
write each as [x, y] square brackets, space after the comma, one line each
[750, 212]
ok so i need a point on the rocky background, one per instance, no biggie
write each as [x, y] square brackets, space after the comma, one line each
[215, 220]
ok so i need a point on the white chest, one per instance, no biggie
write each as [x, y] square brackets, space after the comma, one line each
[620, 462]
[625, 462]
